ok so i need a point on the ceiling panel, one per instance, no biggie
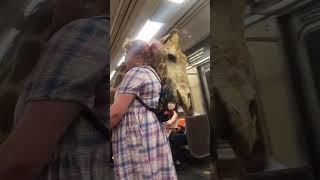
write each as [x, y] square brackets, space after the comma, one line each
[197, 29]
[130, 17]
[187, 17]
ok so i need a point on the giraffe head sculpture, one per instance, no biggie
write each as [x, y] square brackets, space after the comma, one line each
[172, 68]
[170, 64]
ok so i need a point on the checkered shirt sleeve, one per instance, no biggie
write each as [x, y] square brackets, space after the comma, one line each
[72, 65]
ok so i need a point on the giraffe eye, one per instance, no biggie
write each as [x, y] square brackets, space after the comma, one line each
[172, 57]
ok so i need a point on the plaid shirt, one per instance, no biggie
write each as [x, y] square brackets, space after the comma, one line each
[73, 68]
[140, 147]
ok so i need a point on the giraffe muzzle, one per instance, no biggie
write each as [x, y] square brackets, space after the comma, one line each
[184, 100]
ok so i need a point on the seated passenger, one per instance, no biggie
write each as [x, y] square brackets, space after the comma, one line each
[175, 133]
[173, 122]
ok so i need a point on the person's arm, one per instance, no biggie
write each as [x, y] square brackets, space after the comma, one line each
[173, 119]
[119, 108]
[34, 139]
[53, 100]
[129, 88]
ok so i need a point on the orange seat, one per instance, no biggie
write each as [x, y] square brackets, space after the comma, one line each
[182, 122]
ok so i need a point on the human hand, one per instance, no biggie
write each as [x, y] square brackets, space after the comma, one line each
[175, 113]
[166, 125]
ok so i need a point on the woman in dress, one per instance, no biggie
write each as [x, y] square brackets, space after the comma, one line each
[140, 147]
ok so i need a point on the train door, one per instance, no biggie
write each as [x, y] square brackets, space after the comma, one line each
[198, 66]
[302, 41]
[197, 96]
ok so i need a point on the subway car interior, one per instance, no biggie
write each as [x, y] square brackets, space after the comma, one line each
[281, 36]
[149, 20]
[282, 39]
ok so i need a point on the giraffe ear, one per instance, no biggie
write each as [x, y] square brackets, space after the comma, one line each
[164, 38]
[173, 39]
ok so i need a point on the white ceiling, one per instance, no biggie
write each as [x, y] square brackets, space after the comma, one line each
[127, 17]
[192, 18]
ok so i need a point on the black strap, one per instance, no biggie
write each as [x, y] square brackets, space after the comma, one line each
[146, 106]
[158, 77]
[91, 117]
[139, 99]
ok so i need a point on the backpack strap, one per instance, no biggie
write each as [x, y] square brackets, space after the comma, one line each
[145, 105]
[97, 124]
[140, 100]
[158, 77]
[92, 117]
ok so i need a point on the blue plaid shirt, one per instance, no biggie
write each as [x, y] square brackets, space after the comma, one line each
[73, 68]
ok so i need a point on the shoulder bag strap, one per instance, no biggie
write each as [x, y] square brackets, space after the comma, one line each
[158, 77]
[146, 106]
[140, 100]
[91, 117]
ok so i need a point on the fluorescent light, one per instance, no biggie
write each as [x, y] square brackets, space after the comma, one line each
[31, 7]
[112, 74]
[149, 30]
[121, 61]
[176, 1]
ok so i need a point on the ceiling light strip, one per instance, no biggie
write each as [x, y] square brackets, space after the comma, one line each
[112, 74]
[122, 59]
[176, 1]
[149, 30]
